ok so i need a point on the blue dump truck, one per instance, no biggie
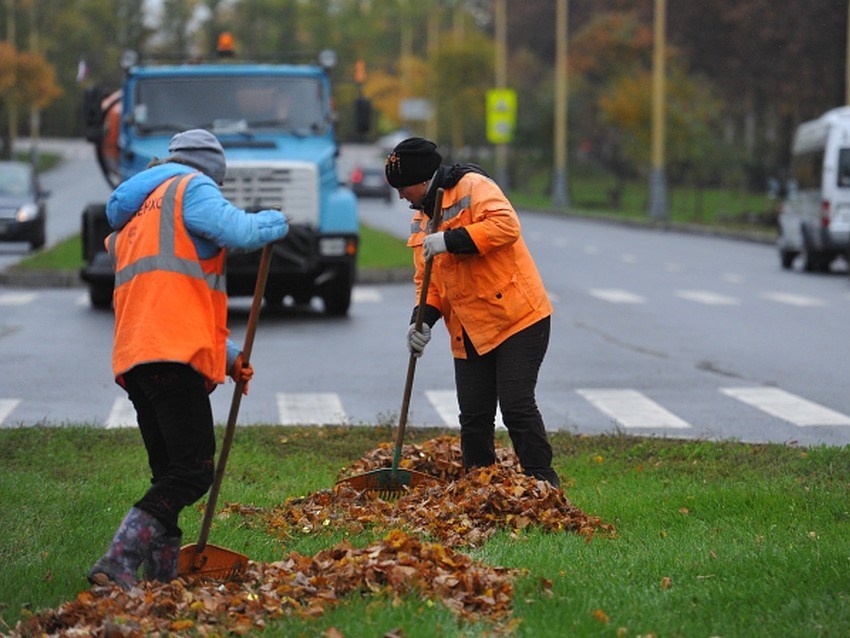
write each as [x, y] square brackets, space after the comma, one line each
[276, 124]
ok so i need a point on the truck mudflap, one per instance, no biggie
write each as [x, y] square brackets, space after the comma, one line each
[98, 271]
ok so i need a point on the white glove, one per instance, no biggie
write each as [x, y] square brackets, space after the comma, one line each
[434, 244]
[416, 341]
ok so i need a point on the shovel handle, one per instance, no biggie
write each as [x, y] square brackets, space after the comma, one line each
[227, 442]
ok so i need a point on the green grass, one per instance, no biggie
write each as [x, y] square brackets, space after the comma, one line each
[713, 539]
[382, 250]
[729, 208]
[66, 255]
[377, 250]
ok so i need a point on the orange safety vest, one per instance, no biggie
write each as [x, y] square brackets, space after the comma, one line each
[493, 294]
[169, 304]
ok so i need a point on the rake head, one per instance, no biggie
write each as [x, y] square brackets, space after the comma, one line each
[214, 562]
[387, 483]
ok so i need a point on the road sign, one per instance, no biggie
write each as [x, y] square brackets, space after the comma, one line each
[501, 115]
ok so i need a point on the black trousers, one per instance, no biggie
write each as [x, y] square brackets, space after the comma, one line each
[176, 422]
[506, 376]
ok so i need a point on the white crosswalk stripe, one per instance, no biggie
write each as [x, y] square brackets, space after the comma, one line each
[631, 409]
[366, 294]
[615, 295]
[318, 408]
[445, 403]
[7, 406]
[17, 298]
[122, 414]
[788, 407]
[708, 298]
[794, 300]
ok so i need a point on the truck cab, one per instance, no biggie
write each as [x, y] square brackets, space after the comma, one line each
[276, 125]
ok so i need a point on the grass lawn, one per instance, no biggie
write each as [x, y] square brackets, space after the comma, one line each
[712, 539]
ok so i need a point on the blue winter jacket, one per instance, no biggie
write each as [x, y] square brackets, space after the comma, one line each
[212, 221]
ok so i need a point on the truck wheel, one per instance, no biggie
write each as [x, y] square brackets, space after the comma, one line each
[100, 296]
[274, 299]
[336, 293]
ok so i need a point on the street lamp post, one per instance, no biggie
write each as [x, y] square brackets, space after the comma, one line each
[658, 208]
[501, 28]
[847, 61]
[560, 188]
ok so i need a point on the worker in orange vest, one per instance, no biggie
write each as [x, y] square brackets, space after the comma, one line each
[171, 347]
[486, 287]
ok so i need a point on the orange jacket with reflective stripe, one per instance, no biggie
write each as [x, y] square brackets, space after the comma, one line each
[494, 294]
[169, 304]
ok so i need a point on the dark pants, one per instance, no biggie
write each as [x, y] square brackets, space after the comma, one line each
[176, 422]
[506, 375]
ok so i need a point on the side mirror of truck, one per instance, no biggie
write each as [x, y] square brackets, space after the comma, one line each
[363, 115]
[93, 114]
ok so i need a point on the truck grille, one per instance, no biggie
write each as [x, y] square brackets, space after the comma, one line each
[292, 187]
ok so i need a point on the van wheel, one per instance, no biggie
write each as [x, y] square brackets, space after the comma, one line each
[814, 260]
[786, 258]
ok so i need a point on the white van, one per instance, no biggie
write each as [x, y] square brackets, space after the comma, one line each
[815, 218]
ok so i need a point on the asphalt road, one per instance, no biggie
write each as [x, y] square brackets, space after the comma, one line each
[655, 333]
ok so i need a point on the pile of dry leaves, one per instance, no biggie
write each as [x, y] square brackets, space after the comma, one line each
[464, 510]
[460, 510]
[299, 585]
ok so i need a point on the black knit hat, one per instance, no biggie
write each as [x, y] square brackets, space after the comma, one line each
[412, 161]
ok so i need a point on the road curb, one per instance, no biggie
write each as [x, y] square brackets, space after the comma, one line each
[41, 279]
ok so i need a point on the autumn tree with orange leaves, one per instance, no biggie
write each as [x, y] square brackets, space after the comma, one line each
[27, 83]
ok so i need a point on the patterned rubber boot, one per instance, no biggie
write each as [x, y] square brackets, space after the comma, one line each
[129, 547]
[161, 562]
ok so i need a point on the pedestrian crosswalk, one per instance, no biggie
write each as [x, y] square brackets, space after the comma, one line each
[625, 408]
[786, 406]
[314, 408]
[632, 409]
[6, 408]
[373, 295]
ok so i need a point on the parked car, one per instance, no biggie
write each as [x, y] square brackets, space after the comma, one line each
[369, 181]
[23, 208]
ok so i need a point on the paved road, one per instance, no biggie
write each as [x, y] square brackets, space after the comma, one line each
[654, 333]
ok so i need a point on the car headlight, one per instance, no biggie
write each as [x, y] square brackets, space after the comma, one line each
[27, 212]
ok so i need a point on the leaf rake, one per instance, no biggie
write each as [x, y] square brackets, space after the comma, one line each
[389, 483]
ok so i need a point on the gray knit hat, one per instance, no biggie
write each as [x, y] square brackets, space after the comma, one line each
[200, 149]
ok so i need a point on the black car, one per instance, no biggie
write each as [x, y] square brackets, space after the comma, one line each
[369, 181]
[22, 204]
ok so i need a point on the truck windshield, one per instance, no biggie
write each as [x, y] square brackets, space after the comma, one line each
[231, 104]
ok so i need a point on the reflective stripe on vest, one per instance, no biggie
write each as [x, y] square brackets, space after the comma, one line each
[167, 259]
[454, 209]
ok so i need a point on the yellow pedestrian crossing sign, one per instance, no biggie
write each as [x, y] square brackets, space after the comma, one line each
[501, 115]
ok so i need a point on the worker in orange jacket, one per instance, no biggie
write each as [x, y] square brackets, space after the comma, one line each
[486, 287]
[172, 226]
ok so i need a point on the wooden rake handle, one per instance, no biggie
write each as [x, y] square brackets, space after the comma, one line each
[436, 218]
[227, 443]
